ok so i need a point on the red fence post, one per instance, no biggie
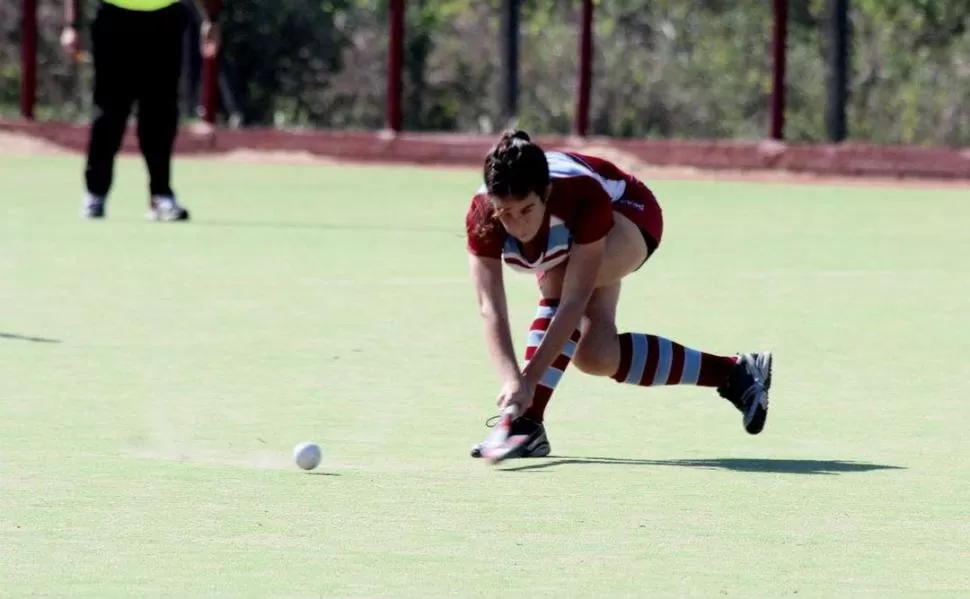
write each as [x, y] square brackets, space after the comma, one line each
[778, 56]
[581, 123]
[395, 64]
[28, 60]
[210, 87]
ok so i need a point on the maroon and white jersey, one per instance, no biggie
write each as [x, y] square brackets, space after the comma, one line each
[579, 210]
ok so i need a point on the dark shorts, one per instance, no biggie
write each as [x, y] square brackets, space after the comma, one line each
[640, 206]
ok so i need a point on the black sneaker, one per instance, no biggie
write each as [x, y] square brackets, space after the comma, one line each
[537, 445]
[747, 388]
[92, 206]
[166, 209]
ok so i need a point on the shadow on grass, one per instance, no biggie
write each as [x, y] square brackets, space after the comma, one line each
[323, 473]
[16, 337]
[766, 465]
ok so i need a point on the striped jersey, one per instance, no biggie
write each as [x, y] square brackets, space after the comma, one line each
[579, 210]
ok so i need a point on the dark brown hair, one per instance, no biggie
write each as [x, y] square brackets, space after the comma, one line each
[515, 167]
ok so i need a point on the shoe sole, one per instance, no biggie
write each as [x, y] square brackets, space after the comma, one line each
[756, 422]
[539, 450]
[88, 213]
[514, 447]
[156, 217]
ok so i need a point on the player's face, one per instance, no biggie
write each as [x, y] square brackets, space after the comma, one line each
[521, 217]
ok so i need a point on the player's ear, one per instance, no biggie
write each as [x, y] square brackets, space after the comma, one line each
[547, 193]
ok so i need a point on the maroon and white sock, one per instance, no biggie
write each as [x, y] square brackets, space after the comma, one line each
[648, 361]
[550, 379]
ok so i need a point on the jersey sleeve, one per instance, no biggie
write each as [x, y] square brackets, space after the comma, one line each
[484, 235]
[593, 212]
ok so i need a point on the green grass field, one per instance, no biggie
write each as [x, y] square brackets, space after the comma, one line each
[154, 379]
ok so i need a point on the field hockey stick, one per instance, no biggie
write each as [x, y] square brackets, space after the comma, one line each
[499, 445]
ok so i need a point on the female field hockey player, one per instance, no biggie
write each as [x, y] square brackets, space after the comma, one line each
[581, 225]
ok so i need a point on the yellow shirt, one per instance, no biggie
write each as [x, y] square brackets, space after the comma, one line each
[144, 5]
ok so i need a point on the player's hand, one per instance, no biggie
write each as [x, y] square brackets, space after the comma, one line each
[69, 42]
[210, 38]
[516, 392]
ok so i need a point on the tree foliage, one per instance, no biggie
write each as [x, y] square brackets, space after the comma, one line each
[663, 68]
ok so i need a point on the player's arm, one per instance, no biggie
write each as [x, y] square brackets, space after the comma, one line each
[71, 12]
[69, 38]
[209, 32]
[486, 275]
[593, 219]
[578, 284]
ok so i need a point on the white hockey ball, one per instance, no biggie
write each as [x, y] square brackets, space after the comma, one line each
[307, 455]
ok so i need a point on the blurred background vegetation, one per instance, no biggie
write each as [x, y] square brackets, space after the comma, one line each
[663, 68]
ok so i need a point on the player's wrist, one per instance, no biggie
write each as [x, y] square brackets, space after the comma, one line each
[531, 376]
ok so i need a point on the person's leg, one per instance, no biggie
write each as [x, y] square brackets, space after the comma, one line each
[625, 251]
[537, 331]
[650, 360]
[531, 422]
[158, 110]
[113, 98]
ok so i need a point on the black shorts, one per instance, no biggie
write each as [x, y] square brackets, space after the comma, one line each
[652, 246]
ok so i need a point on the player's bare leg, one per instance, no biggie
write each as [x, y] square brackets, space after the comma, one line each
[650, 360]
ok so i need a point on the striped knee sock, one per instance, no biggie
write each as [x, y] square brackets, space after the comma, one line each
[547, 309]
[648, 361]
